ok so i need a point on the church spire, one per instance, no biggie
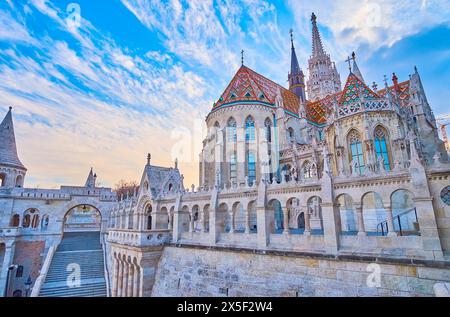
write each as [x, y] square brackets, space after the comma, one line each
[90, 181]
[8, 149]
[296, 77]
[356, 70]
[316, 40]
[324, 79]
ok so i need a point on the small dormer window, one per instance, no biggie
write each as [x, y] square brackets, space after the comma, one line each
[233, 96]
[261, 96]
[248, 95]
[170, 187]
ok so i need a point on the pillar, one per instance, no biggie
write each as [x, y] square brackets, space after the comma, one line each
[191, 222]
[120, 279]
[307, 222]
[247, 218]
[428, 228]
[390, 221]
[285, 220]
[262, 225]
[126, 271]
[330, 215]
[7, 262]
[136, 280]
[115, 277]
[360, 218]
[231, 216]
[130, 280]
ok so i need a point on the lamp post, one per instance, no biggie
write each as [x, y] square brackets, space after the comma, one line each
[11, 268]
[28, 285]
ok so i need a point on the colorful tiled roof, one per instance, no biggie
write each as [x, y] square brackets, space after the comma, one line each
[247, 85]
[353, 89]
[402, 90]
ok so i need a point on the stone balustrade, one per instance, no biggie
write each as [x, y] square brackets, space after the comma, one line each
[139, 238]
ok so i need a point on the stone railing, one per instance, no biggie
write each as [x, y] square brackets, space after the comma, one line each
[9, 232]
[139, 238]
[43, 272]
[363, 106]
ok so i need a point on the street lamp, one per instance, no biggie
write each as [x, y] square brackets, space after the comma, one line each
[11, 268]
[28, 285]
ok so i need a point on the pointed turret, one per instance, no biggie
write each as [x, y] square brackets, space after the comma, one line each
[355, 68]
[13, 171]
[324, 79]
[316, 40]
[91, 179]
[296, 77]
[8, 149]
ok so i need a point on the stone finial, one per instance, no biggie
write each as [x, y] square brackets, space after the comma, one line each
[176, 163]
[149, 158]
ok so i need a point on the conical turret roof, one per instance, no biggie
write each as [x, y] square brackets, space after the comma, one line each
[8, 149]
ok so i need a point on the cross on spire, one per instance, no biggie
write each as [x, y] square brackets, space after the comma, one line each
[242, 57]
[349, 61]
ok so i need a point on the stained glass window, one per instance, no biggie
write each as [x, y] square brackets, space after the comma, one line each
[381, 147]
[231, 130]
[251, 161]
[233, 167]
[356, 151]
[249, 129]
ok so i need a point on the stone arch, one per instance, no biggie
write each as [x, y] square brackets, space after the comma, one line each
[206, 218]
[30, 218]
[314, 207]
[239, 217]
[15, 221]
[293, 211]
[165, 218]
[148, 211]
[374, 212]
[195, 214]
[223, 218]
[252, 216]
[404, 212]
[347, 213]
[45, 222]
[82, 217]
[19, 181]
[276, 217]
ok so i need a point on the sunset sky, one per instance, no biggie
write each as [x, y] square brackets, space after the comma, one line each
[139, 76]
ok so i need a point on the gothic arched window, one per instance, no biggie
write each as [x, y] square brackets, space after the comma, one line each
[251, 167]
[381, 147]
[231, 130]
[356, 151]
[249, 129]
[307, 173]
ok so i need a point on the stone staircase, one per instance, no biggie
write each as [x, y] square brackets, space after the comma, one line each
[77, 250]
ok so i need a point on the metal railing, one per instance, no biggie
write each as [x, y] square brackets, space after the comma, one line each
[383, 226]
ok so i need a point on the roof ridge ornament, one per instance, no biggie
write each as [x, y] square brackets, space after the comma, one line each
[242, 57]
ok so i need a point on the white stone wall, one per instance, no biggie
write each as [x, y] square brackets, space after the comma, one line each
[199, 272]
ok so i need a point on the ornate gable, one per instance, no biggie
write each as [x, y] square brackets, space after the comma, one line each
[352, 90]
[247, 85]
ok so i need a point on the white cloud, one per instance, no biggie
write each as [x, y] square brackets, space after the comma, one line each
[369, 24]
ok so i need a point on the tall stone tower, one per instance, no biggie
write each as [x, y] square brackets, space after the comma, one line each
[324, 78]
[12, 171]
[296, 76]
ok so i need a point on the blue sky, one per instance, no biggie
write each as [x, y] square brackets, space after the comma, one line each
[139, 76]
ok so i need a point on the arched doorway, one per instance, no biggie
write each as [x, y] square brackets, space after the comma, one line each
[83, 218]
